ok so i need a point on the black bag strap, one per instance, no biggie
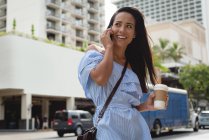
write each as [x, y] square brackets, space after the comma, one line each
[101, 113]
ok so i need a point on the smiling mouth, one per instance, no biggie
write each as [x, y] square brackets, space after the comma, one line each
[121, 37]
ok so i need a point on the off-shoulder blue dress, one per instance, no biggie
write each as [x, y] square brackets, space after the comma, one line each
[120, 121]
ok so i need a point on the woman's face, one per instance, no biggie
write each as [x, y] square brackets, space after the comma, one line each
[123, 29]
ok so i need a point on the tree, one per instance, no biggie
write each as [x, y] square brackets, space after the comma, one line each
[84, 46]
[158, 63]
[175, 51]
[195, 79]
[32, 30]
[161, 50]
[14, 24]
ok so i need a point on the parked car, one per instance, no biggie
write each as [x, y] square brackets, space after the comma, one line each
[204, 119]
[72, 121]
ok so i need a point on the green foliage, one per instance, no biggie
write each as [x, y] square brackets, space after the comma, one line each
[195, 79]
[176, 51]
[32, 30]
[84, 46]
[161, 50]
[165, 50]
[14, 24]
[2, 33]
[157, 63]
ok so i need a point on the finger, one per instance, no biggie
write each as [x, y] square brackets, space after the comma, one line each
[152, 95]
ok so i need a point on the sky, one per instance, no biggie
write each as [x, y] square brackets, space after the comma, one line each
[109, 10]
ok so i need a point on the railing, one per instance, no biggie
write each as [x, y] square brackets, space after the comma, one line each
[78, 1]
[53, 27]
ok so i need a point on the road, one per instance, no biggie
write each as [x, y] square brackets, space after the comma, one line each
[52, 135]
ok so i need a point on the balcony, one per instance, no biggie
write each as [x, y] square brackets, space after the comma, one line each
[2, 15]
[93, 30]
[79, 25]
[92, 8]
[53, 29]
[65, 19]
[65, 7]
[77, 13]
[65, 31]
[53, 3]
[53, 16]
[93, 19]
[3, 3]
[93, 1]
[79, 3]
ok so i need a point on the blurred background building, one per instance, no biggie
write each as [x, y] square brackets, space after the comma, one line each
[189, 16]
[38, 77]
[184, 22]
[69, 22]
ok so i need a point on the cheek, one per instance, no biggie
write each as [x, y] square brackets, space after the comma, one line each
[131, 35]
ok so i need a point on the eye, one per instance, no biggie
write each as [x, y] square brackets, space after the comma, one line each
[130, 26]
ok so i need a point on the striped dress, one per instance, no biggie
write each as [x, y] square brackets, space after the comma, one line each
[120, 121]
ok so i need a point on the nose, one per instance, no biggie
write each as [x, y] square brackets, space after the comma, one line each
[122, 29]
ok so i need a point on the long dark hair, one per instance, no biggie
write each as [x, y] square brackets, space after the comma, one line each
[138, 52]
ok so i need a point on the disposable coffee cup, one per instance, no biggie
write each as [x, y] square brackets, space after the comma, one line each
[161, 92]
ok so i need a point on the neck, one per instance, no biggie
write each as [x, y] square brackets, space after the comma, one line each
[119, 57]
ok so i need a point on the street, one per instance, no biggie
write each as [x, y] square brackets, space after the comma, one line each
[52, 135]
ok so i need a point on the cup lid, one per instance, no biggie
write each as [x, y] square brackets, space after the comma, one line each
[161, 87]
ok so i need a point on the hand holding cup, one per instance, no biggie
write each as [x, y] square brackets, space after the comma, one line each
[161, 96]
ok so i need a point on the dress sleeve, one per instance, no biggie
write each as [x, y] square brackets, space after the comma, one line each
[90, 60]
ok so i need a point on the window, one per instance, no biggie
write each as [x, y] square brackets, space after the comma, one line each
[74, 116]
[85, 116]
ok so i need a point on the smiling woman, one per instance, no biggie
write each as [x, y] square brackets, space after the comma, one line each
[126, 45]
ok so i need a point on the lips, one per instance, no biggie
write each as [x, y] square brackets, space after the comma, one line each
[121, 37]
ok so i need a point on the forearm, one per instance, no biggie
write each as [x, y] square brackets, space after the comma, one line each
[103, 70]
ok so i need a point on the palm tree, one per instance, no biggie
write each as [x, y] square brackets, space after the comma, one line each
[176, 51]
[162, 50]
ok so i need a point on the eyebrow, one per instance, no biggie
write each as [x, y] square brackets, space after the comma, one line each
[126, 23]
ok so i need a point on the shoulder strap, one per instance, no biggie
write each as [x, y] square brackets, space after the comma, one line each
[101, 113]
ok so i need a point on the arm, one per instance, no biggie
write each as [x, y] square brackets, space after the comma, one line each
[103, 70]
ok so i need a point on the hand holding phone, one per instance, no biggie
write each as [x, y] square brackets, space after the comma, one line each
[107, 38]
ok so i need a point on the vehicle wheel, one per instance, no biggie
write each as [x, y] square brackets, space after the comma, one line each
[196, 127]
[60, 133]
[200, 126]
[170, 131]
[78, 131]
[157, 128]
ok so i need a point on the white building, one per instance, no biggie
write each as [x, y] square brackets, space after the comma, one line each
[172, 10]
[70, 22]
[36, 80]
[189, 34]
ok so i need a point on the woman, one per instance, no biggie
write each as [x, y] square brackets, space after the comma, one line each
[124, 40]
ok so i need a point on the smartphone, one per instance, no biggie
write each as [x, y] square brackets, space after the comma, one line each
[111, 36]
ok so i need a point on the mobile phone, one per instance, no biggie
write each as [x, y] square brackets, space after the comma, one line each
[111, 36]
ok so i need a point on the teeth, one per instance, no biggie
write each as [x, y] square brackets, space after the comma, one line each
[121, 37]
